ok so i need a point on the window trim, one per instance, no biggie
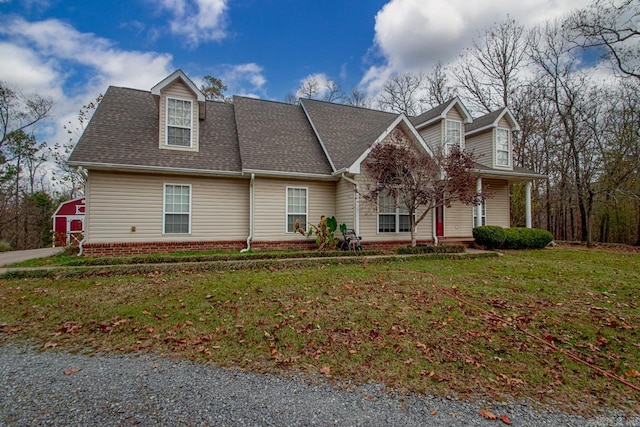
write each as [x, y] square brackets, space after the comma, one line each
[446, 135]
[286, 208]
[164, 207]
[508, 151]
[397, 214]
[166, 124]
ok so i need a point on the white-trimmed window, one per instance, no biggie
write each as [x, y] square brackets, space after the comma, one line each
[483, 217]
[392, 218]
[453, 136]
[177, 209]
[502, 147]
[179, 114]
[296, 207]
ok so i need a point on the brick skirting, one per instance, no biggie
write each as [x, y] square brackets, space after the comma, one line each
[139, 248]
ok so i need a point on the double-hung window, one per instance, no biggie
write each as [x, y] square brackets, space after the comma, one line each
[392, 218]
[179, 113]
[296, 208]
[453, 136]
[502, 147]
[483, 215]
[177, 209]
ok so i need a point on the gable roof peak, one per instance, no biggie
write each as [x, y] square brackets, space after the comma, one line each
[178, 75]
[491, 120]
[440, 112]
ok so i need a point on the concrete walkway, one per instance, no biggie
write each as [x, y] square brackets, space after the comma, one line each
[10, 257]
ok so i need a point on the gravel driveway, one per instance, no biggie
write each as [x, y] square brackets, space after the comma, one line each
[54, 388]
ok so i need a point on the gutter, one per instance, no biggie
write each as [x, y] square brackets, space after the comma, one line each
[248, 248]
[355, 183]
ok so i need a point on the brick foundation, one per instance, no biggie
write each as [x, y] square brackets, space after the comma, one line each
[139, 248]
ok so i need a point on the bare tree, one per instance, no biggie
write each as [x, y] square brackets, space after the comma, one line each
[576, 108]
[488, 72]
[357, 98]
[438, 89]
[401, 94]
[613, 26]
[19, 112]
[309, 88]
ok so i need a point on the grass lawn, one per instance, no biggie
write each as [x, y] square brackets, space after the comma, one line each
[370, 322]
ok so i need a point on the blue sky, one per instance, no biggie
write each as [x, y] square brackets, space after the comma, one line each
[73, 50]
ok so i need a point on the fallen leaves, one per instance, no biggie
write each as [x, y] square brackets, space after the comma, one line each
[72, 371]
[493, 417]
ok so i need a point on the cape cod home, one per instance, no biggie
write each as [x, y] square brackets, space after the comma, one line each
[170, 171]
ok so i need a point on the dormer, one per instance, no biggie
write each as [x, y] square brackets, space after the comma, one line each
[490, 137]
[181, 106]
[444, 126]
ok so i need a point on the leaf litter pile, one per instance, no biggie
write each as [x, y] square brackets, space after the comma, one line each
[494, 328]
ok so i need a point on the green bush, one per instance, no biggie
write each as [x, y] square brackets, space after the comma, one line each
[428, 249]
[4, 246]
[526, 238]
[489, 236]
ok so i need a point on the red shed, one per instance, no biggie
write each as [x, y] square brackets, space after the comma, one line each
[68, 223]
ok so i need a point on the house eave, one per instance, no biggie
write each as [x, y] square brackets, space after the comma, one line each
[511, 175]
[149, 169]
[285, 174]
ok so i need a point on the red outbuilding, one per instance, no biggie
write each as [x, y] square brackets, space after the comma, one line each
[68, 223]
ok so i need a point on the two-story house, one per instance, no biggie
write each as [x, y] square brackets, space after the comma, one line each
[170, 171]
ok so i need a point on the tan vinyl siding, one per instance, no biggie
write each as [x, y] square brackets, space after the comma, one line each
[433, 136]
[498, 206]
[179, 90]
[119, 201]
[458, 220]
[482, 146]
[270, 205]
[345, 203]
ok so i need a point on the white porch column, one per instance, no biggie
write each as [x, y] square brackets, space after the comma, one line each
[527, 204]
[478, 208]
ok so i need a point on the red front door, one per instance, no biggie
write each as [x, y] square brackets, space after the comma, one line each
[440, 221]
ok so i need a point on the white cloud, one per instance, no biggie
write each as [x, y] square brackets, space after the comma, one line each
[54, 59]
[197, 20]
[413, 35]
[241, 79]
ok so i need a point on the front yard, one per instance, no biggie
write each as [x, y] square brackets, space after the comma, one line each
[370, 322]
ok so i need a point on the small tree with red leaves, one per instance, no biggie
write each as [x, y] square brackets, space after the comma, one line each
[419, 181]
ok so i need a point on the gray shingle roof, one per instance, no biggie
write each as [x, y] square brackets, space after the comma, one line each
[483, 121]
[275, 136]
[250, 134]
[124, 131]
[346, 131]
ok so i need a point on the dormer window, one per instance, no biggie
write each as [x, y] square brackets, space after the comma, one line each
[502, 147]
[453, 136]
[179, 123]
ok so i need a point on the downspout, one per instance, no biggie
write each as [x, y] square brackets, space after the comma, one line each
[248, 248]
[355, 183]
[434, 231]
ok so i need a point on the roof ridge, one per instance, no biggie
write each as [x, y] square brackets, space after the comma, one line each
[349, 106]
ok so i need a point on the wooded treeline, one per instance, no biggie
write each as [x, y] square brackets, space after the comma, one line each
[580, 124]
